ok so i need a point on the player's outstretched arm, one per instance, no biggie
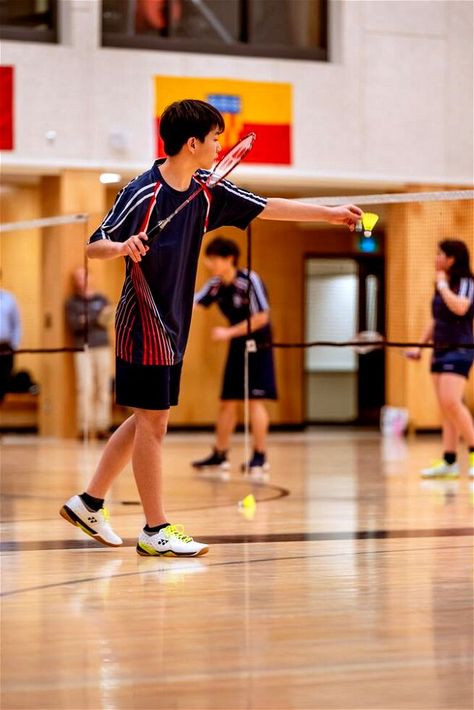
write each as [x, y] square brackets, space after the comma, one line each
[279, 208]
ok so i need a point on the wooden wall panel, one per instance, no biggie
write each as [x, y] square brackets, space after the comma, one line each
[62, 253]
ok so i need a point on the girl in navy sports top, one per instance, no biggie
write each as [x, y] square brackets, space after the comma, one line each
[450, 329]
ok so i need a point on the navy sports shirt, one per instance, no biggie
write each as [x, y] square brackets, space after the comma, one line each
[154, 312]
[235, 300]
[449, 327]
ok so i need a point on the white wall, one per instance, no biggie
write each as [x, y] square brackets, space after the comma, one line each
[395, 103]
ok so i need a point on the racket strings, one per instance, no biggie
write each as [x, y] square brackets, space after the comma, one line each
[230, 160]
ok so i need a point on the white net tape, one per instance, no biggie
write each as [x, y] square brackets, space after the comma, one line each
[384, 198]
[44, 222]
[392, 198]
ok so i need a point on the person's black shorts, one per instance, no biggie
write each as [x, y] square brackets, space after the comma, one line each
[455, 362]
[261, 373]
[147, 386]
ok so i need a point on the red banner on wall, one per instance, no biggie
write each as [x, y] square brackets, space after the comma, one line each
[264, 108]
[6, 108]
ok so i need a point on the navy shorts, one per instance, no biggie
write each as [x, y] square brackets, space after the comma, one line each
[261, 373]
[454, 362]
[147, 386]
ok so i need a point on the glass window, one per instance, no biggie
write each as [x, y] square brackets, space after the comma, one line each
[28, 20]
[274, 28]
[286, 23]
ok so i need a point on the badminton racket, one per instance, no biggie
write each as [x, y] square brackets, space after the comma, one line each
[230, 161]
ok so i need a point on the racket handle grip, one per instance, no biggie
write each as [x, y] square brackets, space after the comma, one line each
[153, 233]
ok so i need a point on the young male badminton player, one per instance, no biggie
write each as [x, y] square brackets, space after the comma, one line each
[229, 289]
[154, 312]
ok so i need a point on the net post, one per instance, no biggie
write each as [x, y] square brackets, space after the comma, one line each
[250, 346]
[249, 269]
[86, 430]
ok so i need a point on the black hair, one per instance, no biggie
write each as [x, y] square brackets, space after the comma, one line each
[186, 119]
[461, 268]
[220, 246]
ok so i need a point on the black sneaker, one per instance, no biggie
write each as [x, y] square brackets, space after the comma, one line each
[257, 469]
[215, 465]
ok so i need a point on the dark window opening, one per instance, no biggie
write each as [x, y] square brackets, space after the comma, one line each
[272, 28]
[29, 20]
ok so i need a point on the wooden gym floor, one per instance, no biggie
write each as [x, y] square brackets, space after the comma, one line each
[351, 587]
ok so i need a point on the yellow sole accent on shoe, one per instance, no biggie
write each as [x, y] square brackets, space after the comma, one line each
[146, 550]
[439, 475]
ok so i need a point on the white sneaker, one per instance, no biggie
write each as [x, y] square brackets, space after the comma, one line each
[95, 524]
[170, 541]
[257, 468]
[258, 474]
[441, 469]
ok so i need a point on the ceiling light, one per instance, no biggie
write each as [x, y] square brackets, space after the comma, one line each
[109, 178]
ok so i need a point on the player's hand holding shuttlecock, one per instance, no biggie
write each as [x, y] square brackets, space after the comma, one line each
[346, 214]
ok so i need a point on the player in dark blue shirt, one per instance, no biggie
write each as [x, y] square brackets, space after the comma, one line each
[229, 288]
[154, 312]
[452, 324]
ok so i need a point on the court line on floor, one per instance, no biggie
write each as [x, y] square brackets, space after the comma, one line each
[72, 582]
[36, 545]
[280, 492]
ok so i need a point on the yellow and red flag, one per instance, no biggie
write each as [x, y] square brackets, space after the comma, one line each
[258, 106]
